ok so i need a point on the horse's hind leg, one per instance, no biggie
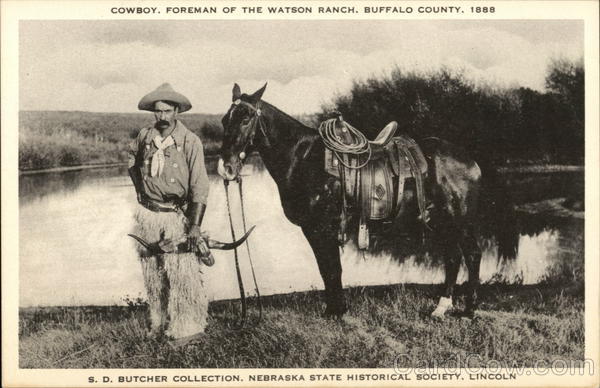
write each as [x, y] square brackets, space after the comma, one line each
[472, 254]
[452, 255]
[452, 265]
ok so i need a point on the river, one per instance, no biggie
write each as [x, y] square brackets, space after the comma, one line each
[74, 248]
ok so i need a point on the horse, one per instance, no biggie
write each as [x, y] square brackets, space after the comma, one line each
[293, 154]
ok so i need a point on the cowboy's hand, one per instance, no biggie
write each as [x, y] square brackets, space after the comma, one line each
[197, 243]
[194, 235]
[204, 253]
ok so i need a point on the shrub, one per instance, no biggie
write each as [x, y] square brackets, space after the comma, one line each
[499, 125]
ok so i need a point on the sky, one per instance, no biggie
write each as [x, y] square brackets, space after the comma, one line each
[107, 66]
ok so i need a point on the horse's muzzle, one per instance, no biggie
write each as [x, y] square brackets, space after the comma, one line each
[227, 170]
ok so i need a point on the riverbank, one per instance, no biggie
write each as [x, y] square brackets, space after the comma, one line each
[555, 207]
[71, 168]
[541, 168]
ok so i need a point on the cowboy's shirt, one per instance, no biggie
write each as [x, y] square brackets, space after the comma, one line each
[184, 175]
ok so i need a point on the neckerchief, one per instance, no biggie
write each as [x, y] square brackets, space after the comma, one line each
[158, 159]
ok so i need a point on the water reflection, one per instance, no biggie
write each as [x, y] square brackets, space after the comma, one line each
[537, 187]
[74, 247]
[38, 185]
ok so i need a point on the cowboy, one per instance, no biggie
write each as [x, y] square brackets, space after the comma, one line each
[167, 168]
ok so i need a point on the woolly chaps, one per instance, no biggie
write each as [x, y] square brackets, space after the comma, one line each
[176, 296]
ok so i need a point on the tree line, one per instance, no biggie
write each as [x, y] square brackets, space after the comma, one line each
[503, 125]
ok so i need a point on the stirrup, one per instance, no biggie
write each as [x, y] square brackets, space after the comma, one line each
[363, 236]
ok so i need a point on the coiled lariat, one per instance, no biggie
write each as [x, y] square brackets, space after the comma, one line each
[360, 144]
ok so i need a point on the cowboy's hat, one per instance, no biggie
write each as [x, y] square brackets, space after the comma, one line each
[164, 92]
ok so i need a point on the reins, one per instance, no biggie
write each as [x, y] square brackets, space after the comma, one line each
[244, 312]
[259, 301]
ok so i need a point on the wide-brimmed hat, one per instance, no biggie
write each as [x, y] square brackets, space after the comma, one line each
[164, 92]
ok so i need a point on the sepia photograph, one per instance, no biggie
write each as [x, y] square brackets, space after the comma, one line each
[380, 199]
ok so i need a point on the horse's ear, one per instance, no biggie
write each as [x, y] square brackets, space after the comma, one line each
[237, 93]
[258, 94]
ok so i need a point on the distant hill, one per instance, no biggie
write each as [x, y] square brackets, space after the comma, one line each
[110, 125]
[68, 138]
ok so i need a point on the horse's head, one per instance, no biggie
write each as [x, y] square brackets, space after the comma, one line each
[241, 123]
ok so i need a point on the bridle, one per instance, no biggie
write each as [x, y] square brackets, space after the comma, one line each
[256, 122]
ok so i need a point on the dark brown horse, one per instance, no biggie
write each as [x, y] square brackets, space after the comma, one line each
[294, 156]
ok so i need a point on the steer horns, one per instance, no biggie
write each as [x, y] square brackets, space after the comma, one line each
[180, 245]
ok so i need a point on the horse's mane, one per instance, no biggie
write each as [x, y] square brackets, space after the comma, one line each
[301, 132]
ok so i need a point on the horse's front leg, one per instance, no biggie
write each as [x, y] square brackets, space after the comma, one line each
[327, 253]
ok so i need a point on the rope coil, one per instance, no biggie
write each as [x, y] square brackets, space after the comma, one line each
[360, 144]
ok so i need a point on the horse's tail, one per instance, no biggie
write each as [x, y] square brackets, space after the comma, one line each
[498, 211]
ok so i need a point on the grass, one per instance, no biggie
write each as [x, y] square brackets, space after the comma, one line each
[49, 139]
[516, 324]
[64, 147]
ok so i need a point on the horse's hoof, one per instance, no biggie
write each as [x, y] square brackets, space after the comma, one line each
[443, 305]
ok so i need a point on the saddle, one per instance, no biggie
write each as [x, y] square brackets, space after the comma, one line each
[373, 179]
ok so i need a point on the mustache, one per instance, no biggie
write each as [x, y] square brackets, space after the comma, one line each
[161, 123]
